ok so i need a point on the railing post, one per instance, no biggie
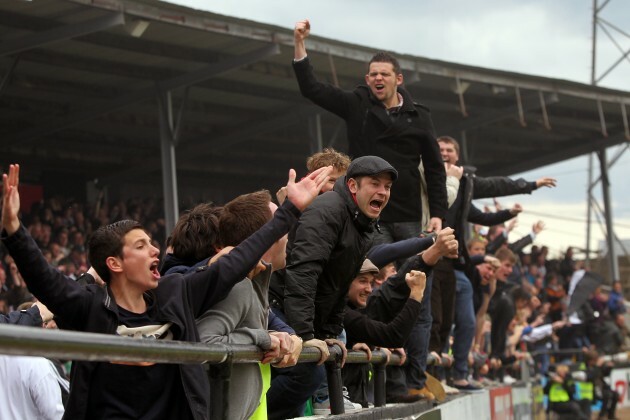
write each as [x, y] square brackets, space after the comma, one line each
[219, 377]
[335, 384]
[380, 379]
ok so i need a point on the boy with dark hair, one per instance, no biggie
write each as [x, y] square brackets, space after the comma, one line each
[195, 231]
[138, 303]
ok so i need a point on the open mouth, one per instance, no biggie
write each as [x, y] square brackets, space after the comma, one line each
[154, 269]
[376, 205]
[379, 87]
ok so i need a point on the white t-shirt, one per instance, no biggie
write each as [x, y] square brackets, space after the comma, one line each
[29, 389]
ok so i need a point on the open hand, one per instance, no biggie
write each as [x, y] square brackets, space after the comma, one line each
[11, 199]
[546, 182]
[302, 193]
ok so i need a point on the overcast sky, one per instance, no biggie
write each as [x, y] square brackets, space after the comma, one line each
[546, 38]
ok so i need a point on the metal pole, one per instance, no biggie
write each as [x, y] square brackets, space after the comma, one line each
[612, 256]
[169, 167]
[380, 379]
[589, 208]
[589, 194]
[335, 384]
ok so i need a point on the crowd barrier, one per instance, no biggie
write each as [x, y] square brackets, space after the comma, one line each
[70, 345]
[522, 401]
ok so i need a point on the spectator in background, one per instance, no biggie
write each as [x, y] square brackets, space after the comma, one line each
[555, 293]
[616, 301]
[567, 265]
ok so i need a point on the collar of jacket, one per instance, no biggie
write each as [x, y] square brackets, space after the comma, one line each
[361, 221]
[408, 104]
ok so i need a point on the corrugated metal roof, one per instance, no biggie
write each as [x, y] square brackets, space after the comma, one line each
[250, 120]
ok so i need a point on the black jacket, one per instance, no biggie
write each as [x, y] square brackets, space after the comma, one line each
[463, 211]
[178, 299]
[360, 328]
[386, 302]
[330, 244]
[401, 138]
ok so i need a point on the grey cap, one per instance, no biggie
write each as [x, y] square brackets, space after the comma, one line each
[370, 165]
[368, 267]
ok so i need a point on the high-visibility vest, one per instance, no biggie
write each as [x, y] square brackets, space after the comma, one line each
[586, 390]
[557, 393]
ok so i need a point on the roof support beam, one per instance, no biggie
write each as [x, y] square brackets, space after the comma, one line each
[87, 112]
[60, 33]
[581, 146]
[528, 104]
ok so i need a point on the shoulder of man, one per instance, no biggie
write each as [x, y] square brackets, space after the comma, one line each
[421, 107]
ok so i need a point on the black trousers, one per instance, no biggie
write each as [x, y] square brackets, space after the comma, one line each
[442, 304]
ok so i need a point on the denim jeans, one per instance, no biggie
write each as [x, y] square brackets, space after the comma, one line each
[464, 325]
[291, 387]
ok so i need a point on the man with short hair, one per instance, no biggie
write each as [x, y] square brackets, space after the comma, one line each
[452, 294]
[382, 119]
[242, 317]
[329, 246]
[329, 157]
[138, 303]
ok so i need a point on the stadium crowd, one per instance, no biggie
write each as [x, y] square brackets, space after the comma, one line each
[443, 281]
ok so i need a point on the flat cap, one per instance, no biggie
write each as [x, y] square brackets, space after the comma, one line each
[370, 165]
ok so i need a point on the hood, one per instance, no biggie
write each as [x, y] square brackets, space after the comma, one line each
[362, 222]
[171, 264]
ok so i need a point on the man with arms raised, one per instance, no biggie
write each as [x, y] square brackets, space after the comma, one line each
[136, 302]
[383, 120]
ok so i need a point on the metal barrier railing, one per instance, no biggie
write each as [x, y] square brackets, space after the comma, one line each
[70, 345]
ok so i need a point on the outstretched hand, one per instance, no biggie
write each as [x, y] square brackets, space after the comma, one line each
[546, 182]
[11, 199]
[302, 193]
[538, 227]
[516, 209]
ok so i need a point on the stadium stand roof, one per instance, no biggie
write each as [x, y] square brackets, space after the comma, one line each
[85, 88]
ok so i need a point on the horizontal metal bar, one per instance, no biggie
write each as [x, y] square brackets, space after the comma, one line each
[72, 345]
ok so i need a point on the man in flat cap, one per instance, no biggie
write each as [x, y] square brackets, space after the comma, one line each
[329, 246]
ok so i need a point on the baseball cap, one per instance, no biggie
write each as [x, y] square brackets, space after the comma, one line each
[368, 166]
